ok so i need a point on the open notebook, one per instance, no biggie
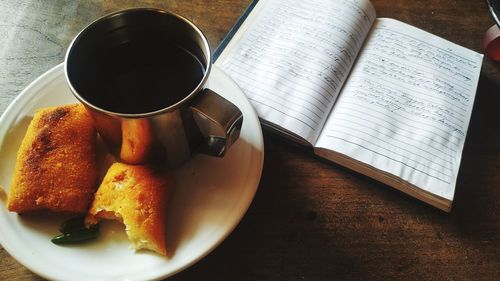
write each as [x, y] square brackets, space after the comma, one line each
[378, 96]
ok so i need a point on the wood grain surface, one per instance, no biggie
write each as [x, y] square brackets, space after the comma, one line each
[311, 219]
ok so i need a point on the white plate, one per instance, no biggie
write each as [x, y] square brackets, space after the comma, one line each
[211, 197]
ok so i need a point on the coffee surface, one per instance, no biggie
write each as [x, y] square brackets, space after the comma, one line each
[139, 78]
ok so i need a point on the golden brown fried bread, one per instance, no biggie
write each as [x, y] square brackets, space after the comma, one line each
[137, 196]
[55, 167]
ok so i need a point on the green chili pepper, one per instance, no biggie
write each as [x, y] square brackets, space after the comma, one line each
[74, 231]
[77, 236]
[71, 225]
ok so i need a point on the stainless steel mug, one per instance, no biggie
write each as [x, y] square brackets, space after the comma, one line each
[142, 74]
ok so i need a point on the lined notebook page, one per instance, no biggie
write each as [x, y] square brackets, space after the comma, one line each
[406, 106]
[291, 58]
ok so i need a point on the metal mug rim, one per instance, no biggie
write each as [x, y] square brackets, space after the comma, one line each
[169, 108]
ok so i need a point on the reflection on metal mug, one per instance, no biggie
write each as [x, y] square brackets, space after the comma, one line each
[142, 74]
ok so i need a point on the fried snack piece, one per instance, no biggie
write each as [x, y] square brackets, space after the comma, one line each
[55, 167]
[136, 196]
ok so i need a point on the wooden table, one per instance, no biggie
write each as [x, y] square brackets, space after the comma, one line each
[310, 219]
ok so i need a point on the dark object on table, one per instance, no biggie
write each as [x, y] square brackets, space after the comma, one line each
[494, 6]
[491, 38]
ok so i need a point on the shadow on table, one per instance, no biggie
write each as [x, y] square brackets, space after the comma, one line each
[477, 186]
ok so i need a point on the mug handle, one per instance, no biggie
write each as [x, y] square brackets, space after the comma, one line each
[218, 120]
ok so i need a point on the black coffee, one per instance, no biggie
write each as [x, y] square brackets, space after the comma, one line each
[139, 78]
